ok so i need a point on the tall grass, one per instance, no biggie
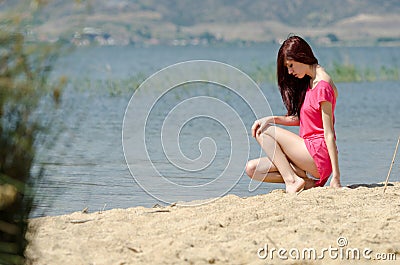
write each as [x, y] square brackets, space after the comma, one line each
[24, 89]
[110, 86]
[340, 73]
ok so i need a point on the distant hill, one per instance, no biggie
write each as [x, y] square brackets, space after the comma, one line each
[182, 22]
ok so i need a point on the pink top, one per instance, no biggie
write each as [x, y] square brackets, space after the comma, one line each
[311, 126]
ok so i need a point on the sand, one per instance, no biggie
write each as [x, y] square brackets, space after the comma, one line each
[231, 230]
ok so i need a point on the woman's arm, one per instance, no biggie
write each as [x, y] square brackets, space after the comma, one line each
[262, 124]
[286, 120]
[329, 134]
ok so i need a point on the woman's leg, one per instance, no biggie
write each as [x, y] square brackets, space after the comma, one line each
[289, 149]
[262, 169]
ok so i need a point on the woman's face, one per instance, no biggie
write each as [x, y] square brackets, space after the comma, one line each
[296, 69]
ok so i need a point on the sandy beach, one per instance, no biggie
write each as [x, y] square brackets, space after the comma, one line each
[318, 226]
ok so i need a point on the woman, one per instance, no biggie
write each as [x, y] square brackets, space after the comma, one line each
[309, 95]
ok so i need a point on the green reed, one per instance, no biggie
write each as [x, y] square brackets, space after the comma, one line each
[24, 93]
[110, 86]
[340, 73]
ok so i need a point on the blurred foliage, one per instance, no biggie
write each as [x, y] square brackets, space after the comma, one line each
[24, 91]
[340, 73]
[350, 73]
[109, 86]
[344, 73]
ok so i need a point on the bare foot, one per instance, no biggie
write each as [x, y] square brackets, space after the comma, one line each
[296, 186]
[310, 183]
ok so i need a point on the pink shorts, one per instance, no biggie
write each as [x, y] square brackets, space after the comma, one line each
[319, 152]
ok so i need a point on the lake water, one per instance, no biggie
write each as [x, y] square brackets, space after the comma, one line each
[86, 165]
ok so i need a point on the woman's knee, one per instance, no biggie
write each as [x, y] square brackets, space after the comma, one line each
[269, 133]
[251, 168]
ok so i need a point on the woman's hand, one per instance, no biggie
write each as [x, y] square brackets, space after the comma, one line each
[335, 181]
[259, 126]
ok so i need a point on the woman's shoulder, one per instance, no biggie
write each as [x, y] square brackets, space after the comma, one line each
[323, 78]
[322, 75]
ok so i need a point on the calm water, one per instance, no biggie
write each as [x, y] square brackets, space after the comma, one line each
[86, 165]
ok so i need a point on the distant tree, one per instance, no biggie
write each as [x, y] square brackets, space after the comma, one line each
[332, 37]
[208, 36]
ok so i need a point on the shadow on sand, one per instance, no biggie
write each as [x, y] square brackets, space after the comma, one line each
[373, 185]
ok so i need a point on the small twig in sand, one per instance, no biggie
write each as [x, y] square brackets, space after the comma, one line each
[391, 165]
[80, 221]
[160, 211]
[136, 250]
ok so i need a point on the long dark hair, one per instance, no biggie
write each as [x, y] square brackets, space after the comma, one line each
[293, 89]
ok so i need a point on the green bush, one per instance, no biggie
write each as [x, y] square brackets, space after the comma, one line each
[24, 91]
